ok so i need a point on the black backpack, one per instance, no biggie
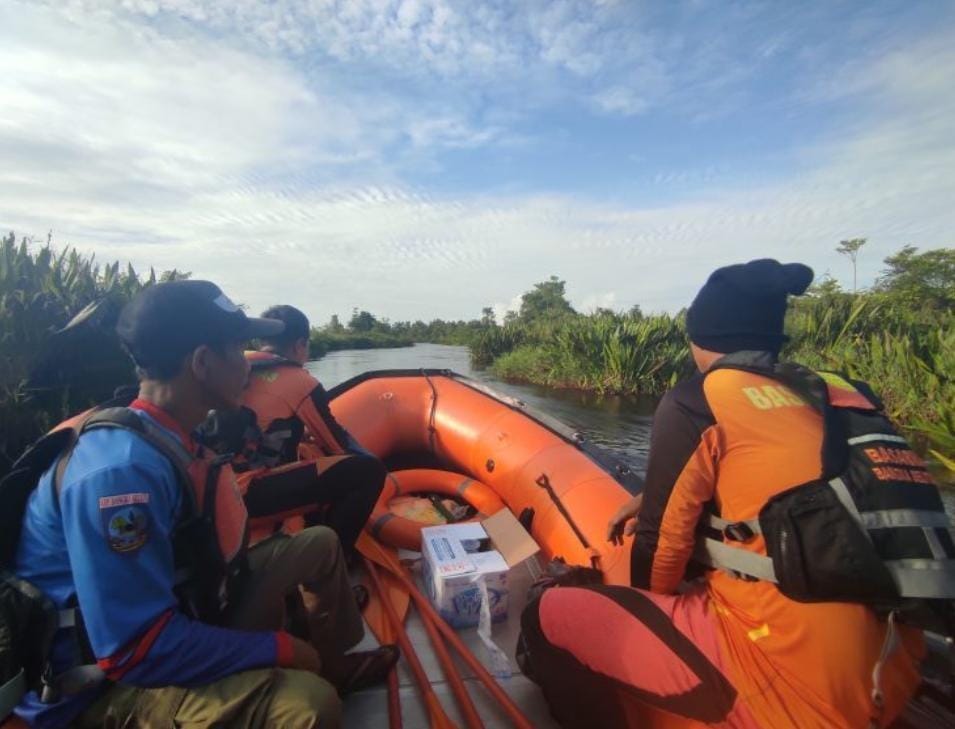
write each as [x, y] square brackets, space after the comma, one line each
[871, 529]
[28, 619]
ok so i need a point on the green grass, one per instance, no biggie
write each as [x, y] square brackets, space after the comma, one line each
[901, 340]
[47, 375]
[605, 353]
[906, 353]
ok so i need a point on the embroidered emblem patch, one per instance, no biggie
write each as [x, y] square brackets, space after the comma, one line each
[125, 521]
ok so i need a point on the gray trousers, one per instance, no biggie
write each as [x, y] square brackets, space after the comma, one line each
[313, 559]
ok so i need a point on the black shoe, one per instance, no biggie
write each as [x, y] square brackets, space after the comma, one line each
[365, 669]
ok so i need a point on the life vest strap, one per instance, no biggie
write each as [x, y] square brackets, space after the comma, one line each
[66, 618]
[924, 578]
[728, 527]
[721, 555]
[889, 645]
[71, 682]
[895, 518]
[11, 691]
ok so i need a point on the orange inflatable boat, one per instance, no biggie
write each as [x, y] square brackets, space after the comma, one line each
[445, 433]
[560, 485]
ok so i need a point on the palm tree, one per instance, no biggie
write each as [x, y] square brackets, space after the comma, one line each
[851, 248]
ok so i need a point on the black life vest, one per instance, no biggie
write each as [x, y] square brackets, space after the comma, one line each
[871, 529]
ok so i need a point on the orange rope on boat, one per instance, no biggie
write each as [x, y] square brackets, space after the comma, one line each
[471, 717]
[436, 712]
[506, 702]
[394, 700]
[385, 632]
[373, 551]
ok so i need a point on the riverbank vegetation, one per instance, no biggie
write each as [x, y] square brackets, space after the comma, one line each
[366, 331]
[899, 335]
[362, 332]
[58, 353]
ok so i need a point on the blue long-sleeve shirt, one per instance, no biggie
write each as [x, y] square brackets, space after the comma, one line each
[107, 543]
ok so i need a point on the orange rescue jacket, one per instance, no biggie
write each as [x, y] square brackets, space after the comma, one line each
[290, 405]
[727, 442]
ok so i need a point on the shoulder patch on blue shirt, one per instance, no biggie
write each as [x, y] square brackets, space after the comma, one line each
[125, 520]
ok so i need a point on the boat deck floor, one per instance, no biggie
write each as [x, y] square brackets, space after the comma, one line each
[932, 708]
[369, 708]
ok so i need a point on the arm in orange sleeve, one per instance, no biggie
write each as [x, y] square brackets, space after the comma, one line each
[681, 476]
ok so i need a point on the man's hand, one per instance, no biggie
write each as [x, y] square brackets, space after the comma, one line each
[624, 522]
[304, 656]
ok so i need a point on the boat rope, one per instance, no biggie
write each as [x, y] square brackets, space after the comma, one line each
[544, 482]
[432, 431]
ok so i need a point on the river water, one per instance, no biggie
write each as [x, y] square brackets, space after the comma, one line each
[620, 424]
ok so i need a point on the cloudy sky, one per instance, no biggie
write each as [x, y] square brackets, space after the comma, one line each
[424, 158]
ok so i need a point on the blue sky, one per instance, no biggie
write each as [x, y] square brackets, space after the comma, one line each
[424, 158]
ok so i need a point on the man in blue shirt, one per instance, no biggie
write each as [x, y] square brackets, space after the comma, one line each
[101, 537]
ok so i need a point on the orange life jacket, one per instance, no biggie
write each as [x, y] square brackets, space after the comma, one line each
[727, 443]
[280, 393]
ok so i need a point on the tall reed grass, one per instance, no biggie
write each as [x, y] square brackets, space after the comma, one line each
[906, 353]
[47, 374]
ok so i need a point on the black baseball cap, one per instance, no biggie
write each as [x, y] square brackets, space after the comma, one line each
[166, 321]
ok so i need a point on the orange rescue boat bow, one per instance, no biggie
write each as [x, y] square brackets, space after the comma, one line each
[534, 463]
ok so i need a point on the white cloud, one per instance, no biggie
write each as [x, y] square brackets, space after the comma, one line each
[501, 309]
[168, 147]
[592, 302]
[486, 49]
[621, 100]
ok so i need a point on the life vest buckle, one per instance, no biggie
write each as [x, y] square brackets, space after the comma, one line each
[738, 531]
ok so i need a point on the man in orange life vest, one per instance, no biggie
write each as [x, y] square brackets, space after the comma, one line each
[109, 538]
[724, 651]
[303, 462]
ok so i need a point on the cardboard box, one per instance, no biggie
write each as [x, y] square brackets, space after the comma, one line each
[452, 567]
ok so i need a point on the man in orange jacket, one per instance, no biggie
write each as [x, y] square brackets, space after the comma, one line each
[723, 650]
[304, 462]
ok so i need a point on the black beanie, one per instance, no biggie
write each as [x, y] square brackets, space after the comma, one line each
[742, 307]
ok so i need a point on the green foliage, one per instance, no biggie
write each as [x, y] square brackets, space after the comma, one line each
[334, 325]
[362, 321]
[604, 352]
[323, 341]
[923, 280]
[900, 337]
[906, 352]
[826, 286]
[496, 341]
[48, 372]
[851, 249]
[366, 331]
[547, 300]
